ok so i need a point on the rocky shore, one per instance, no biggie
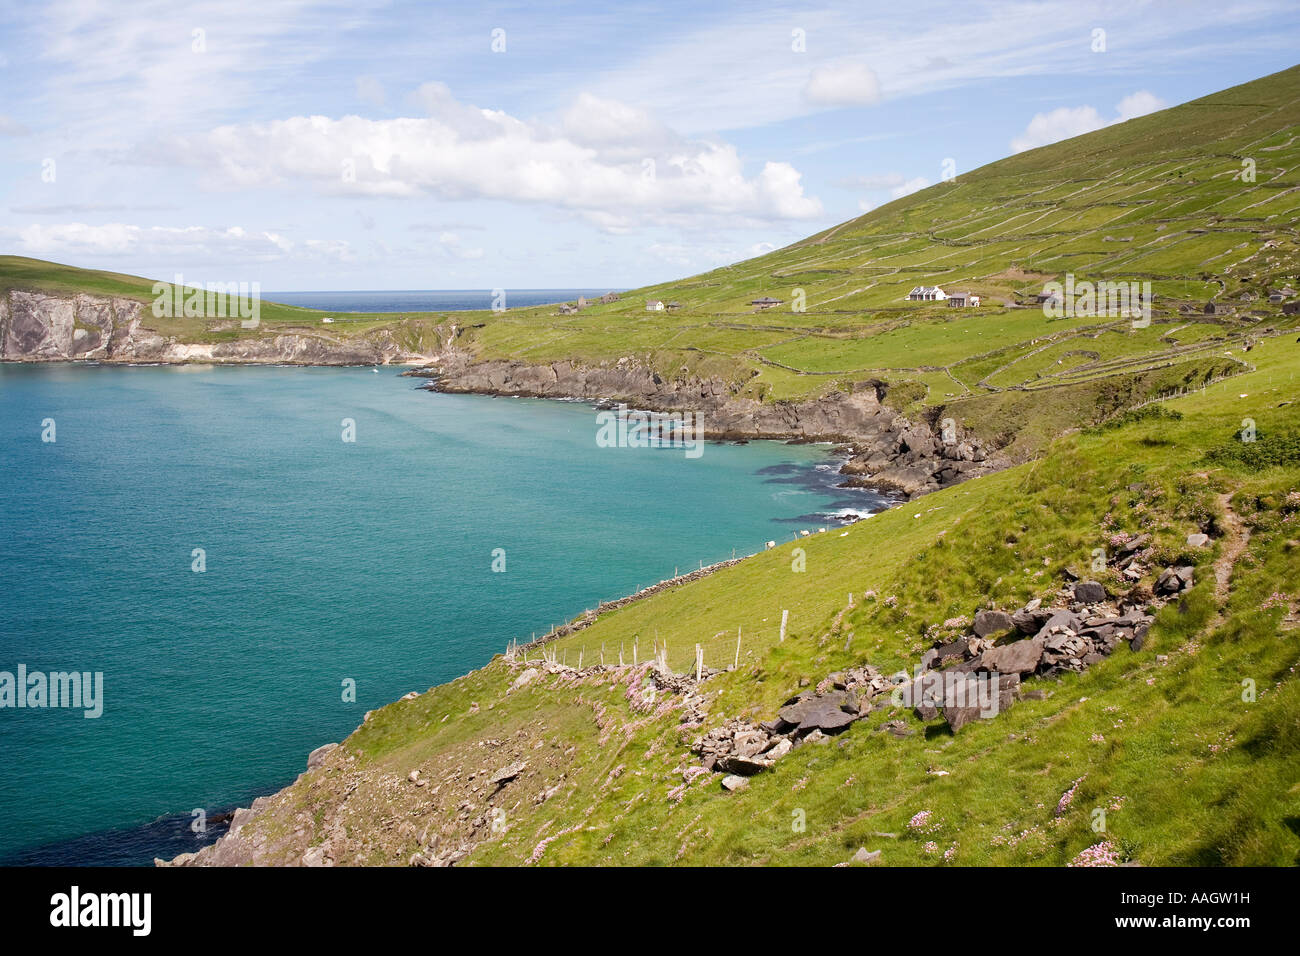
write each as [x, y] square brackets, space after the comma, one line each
[887, 451]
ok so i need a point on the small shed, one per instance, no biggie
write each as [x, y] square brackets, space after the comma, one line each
[766, 302]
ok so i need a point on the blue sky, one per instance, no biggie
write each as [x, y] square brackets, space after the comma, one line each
[373, 145]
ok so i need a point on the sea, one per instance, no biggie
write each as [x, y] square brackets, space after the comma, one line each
[230, 547]
[429, 300]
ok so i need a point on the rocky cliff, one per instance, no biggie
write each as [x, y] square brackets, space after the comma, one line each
[37, 328]
[888, 451]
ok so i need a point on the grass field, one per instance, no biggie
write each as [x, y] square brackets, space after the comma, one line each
[1187, 767]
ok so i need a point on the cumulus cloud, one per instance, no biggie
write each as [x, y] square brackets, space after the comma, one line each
[914, 184]
[606, 161]
[1138, 104]
[201, 243]
[1069, 121]
[842, 84]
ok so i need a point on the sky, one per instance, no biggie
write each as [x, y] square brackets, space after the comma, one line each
[363, 144]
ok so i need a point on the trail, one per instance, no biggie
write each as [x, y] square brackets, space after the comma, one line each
[1236, 537]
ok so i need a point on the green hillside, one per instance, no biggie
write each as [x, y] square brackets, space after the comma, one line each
[1182, 747]
[1187, 767]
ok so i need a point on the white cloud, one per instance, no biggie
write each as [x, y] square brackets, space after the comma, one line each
[1139, 104]
[1069, 121]
[843, 84]
[608, 162]
[912, 185]
[1061, 123]
[11, 127]
[199, 243]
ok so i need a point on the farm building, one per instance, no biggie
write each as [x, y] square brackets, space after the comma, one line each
[672, 306]
[766, 302]
[962, 299]
[926, 293]
[608, 297]
[654, 305]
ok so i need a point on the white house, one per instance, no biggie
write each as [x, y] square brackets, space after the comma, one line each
[327, 320]
[927, 293]
[654, 305]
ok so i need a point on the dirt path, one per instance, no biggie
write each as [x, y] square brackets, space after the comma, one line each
[1236, 537]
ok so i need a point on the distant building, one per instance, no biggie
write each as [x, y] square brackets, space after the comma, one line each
[927, 293]
[672, 306]
[1049, 298]
[962, 299]
[766, 302]
[582, 302]
[567, 308]
[654, 305]
[608, 297]
[327, 320]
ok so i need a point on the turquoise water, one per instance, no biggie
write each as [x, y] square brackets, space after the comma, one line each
[325, 560]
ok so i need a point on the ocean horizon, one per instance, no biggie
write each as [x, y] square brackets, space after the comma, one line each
[426, 300]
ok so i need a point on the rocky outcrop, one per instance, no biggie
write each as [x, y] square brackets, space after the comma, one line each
[888, 452]
[35, 327]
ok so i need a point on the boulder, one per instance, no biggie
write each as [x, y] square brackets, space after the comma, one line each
[988, 623]
[866, 858]
[829, 712]
[1198, 540]
[959, 712]
[1089, 592]
[1031, 618]
[742, 766]
[1019, 657]
[1173, 580]
[506, 774]
[732, 783]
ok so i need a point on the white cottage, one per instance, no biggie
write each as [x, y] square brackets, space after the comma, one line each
[927, 293]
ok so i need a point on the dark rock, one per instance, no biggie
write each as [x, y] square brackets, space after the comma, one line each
[742, 766]
[1030, 620]
[828, 712]
[1173, 580]
[1019, 657]
[1089, 592]
[988, 623]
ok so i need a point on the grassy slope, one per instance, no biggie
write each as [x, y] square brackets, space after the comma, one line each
[1188, 771]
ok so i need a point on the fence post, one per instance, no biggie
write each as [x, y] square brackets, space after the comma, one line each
[785, 617]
